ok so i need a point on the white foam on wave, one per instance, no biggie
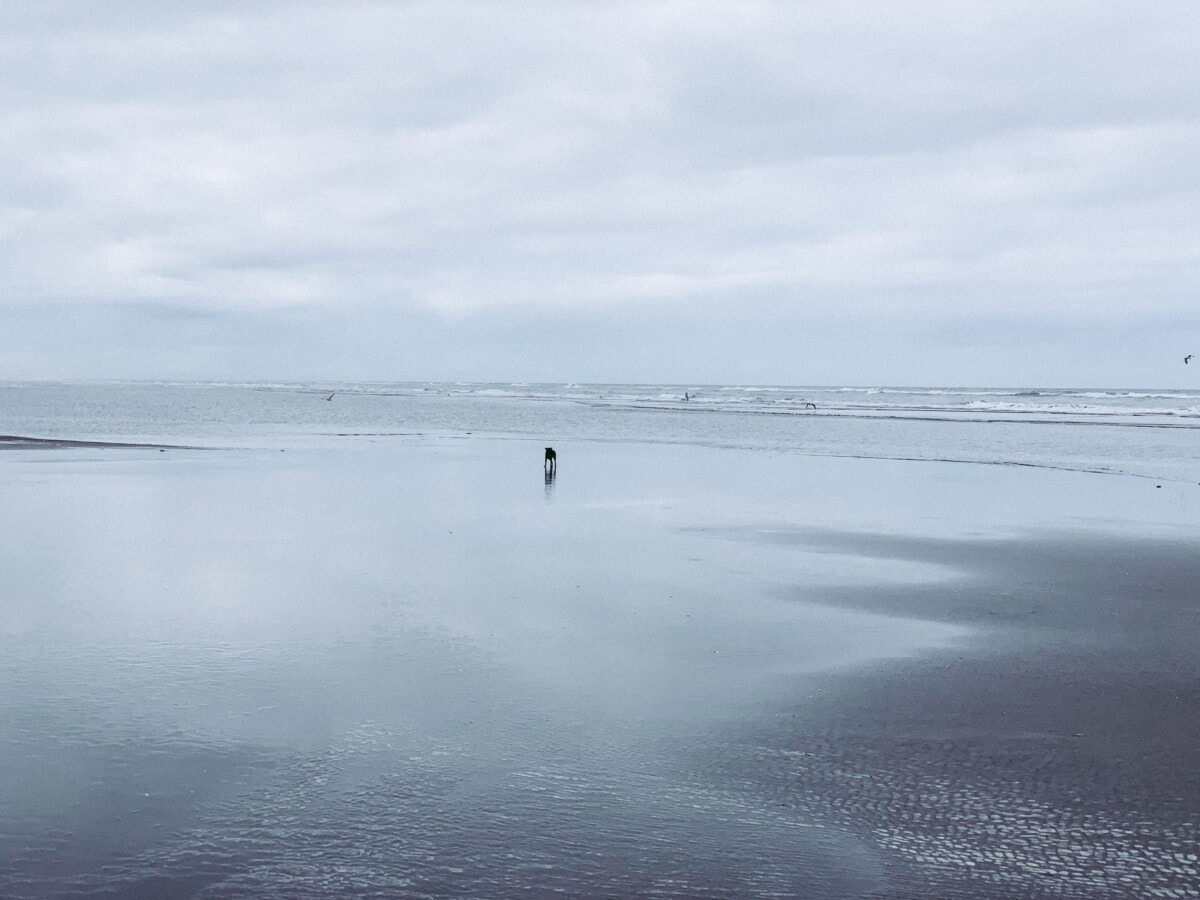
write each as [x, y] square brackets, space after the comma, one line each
[1036, 403]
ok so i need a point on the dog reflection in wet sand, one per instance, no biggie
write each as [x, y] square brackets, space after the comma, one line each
[551, 466]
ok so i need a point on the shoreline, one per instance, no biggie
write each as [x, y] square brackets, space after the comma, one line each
[230, 415]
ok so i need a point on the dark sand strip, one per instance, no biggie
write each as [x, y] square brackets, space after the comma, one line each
[20, 442]
[1062, 761]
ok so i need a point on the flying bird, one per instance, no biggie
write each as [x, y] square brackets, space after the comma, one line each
[1187, 359]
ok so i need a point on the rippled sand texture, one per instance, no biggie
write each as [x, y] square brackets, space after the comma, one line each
[415, 668]
[1060, 762]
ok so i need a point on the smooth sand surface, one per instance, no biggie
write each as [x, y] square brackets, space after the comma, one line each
[414, 666]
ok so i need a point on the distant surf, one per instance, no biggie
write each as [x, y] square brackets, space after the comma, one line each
[1115, 406]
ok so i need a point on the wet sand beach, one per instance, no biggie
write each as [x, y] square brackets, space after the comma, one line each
[413, 666]
[1058, 759]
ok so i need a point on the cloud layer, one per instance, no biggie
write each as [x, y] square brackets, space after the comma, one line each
[799, 192]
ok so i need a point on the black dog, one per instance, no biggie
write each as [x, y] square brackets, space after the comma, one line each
[551, 460]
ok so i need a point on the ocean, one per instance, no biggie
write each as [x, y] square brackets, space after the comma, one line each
[1141, 432]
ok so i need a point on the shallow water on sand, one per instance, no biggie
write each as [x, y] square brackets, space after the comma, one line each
[413, 665]
[406, 667]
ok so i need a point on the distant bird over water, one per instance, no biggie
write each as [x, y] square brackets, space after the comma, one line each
[1187, 359]
[330, 397]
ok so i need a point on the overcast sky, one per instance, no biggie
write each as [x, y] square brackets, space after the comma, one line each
[840, 192]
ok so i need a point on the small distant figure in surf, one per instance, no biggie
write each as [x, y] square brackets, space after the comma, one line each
[330, 397]
[551, 463]
[1188, 359]
[686, 397]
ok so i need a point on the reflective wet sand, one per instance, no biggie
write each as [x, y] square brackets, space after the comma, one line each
[416, 666]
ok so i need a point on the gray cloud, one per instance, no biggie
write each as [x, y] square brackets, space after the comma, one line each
[530, 190]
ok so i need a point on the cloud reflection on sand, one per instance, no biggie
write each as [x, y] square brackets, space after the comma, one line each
[433, 677]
